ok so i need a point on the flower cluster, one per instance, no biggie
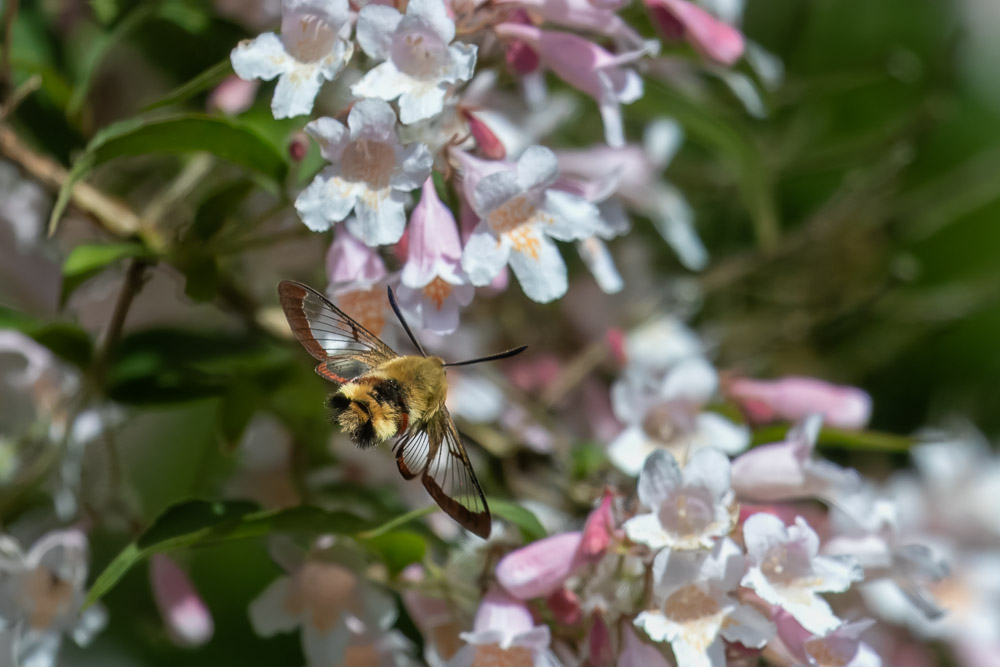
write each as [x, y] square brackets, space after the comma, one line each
[425, 111]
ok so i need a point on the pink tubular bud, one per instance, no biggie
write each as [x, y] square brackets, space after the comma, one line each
[488, 143]
[188, 620]
[541, 567]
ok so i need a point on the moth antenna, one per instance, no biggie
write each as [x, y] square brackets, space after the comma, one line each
[406, 327]
[491, 357]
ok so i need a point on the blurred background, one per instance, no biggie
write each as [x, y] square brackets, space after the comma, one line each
[850, 205]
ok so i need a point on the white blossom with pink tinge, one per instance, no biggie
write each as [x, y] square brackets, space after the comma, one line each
[588, 67]
[787, 570]
[695, 609]
[419, 60]
[370, 173]
[325, 596]
[519, 214]
[842, 647]
[433, 285]
[789, 471]
[639, 186]
[541, 567]
[188, 620]
[504, 633]
[314, 46]
[666, 411]
[41, 593]
[691, 508]
[795, 398]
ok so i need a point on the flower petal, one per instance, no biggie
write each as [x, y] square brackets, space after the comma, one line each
[328, 199]
[383, 81]
[432, 14]
[379, 218]
[629, 451]
[376, 27]
[269, 613]
[493, 190]
[182, 609]
[484, 255]
[569, 217]
[708, 468]
[659, 477]
[331, 135]
[421, 104]
[463, 62]
[748, 627]
[415, 163]
[540, 269]
[325, 648]
[594, 253]
[296, 92]
[260, 58]
[647, 529]
[537, 168]
[375, 120]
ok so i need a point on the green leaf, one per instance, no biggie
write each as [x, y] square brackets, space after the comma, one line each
[398, 549]
[87, 260]
[529, 525]
[215, 210]
[188, 133]
[236, 410]
[67, 341]
[202, 522]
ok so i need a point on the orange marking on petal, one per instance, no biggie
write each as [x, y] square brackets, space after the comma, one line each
[437, 291]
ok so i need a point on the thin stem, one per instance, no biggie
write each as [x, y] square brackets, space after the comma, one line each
[10, 12]
[130, 288]
[397, 522]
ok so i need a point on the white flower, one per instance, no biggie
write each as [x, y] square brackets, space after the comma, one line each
[842, 647]
[690, 507]
[665, 411]
[505, 634]
[787, 571]
[518, 212]
[313, 47]
[41, 592]
[326, 597]
[420, 62]
[370, 173]
[694, 609]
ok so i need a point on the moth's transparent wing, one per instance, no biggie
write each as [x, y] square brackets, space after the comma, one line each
[437, 455]
[343, 346]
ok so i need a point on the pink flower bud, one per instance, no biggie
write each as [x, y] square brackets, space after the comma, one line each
[298, 146]
[565, 606]
[599, 529]
[602, 654]
[184, 613]
[713, 38]
[489, 144]
[233, 96]
[539, 568]
[794, 398]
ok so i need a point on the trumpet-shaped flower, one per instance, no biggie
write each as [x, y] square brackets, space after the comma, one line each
[789, 471]
[541, 567]
[691, 508]
[588, 67]
[518, 212]
[370, 174]
[842, 647]
[433, 285]
[314, 46]
[328, 599]
[665, 411]
[504, 633]
[41, 593]
[795, 398]
[787, 570]
[419, 60]
[695, 610]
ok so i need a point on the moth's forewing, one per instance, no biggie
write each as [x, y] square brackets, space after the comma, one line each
[436, 453]
[344, 347]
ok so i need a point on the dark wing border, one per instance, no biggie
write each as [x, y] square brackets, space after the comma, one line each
[446, 472]
[312, 318]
